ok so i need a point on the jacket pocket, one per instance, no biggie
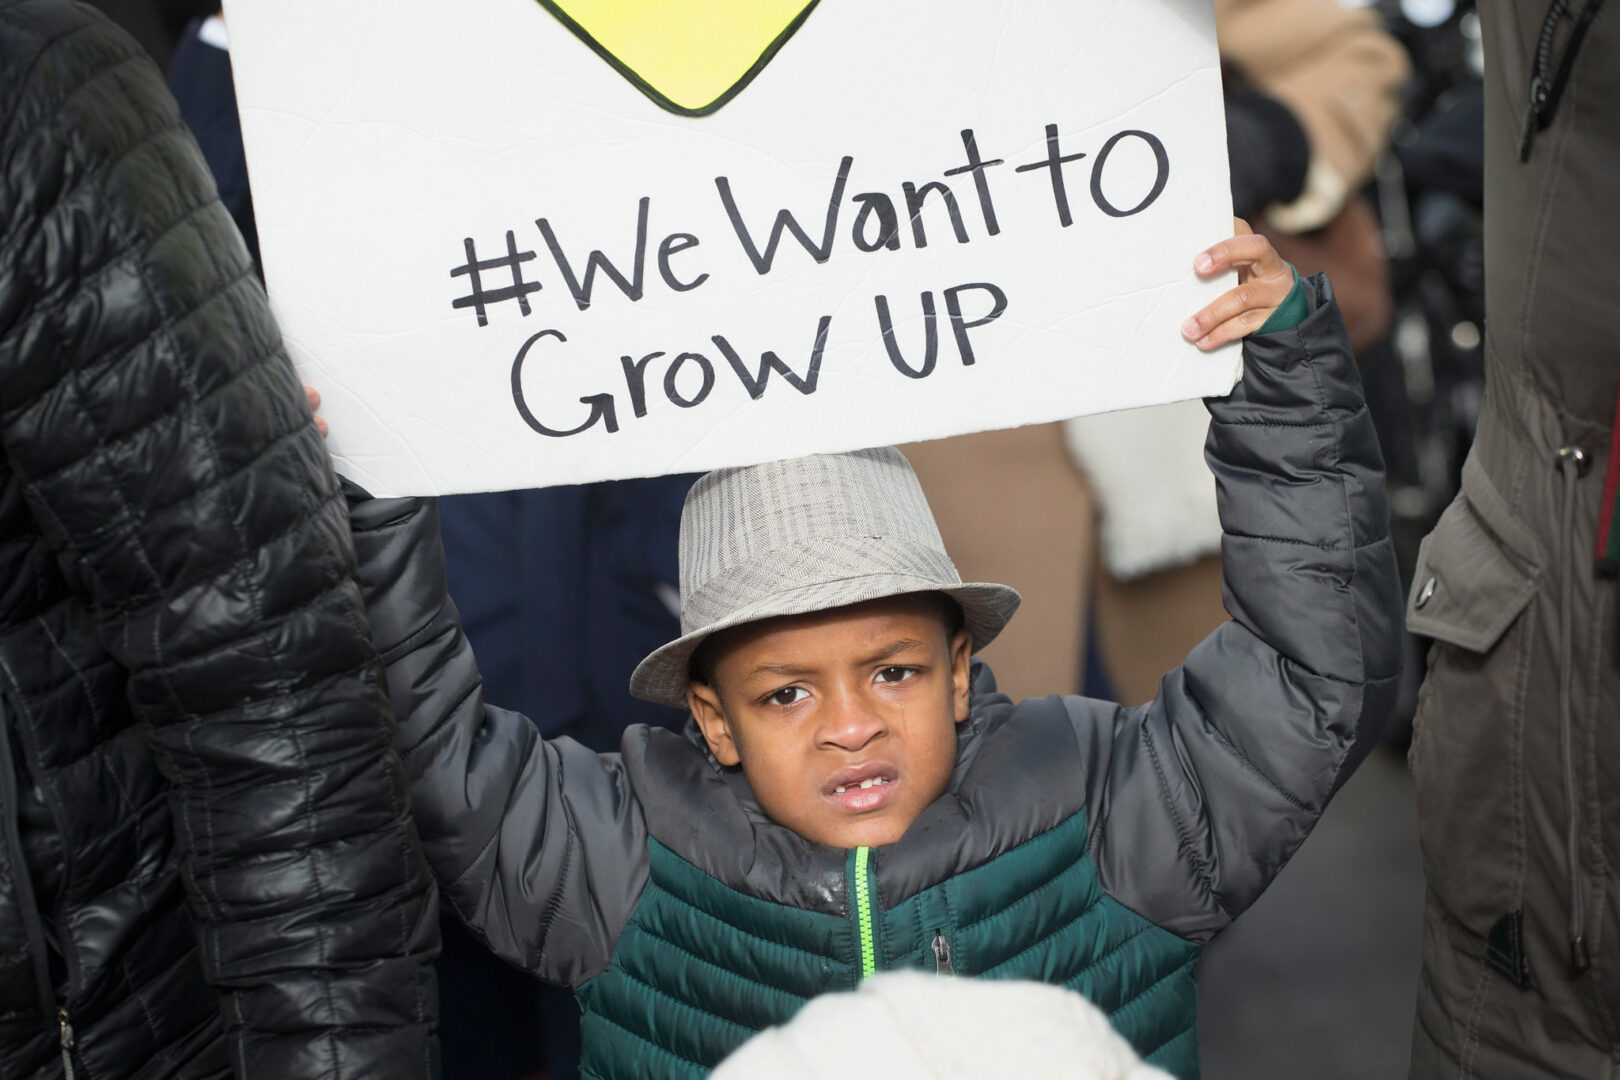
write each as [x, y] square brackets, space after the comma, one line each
[1469, 585]
[1477, 577]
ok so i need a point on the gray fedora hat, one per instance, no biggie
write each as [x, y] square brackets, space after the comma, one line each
[807, 534]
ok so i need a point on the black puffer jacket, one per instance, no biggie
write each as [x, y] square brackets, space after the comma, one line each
[176, 601]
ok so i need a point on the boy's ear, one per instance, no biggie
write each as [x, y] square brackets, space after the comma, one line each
[710, 715]
[961, 674]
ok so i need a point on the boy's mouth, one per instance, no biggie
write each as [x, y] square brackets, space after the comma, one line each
[863, 787]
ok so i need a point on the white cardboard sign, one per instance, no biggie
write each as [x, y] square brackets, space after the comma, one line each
[505, 264]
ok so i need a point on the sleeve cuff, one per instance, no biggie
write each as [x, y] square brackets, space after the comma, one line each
[1291, 312]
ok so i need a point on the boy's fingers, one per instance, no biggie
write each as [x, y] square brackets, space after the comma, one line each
[1247, 250]
[314, 397]
[1234, 329]
[1261, 295]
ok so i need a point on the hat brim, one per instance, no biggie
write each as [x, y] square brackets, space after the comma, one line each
[663, 676]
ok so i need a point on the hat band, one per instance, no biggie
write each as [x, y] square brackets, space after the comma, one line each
[816, 562]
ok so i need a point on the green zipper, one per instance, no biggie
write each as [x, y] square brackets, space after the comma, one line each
[863, 910]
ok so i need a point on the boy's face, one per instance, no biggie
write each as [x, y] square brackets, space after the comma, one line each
[813, 706]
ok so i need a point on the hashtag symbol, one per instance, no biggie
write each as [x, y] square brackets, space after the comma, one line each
[480, 298]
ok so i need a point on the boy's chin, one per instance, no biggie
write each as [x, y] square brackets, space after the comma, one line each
[875, 830]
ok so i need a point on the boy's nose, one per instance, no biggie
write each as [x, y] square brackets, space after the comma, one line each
[850, 723]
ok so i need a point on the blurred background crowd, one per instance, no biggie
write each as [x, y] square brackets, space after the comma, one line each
[1356, 138]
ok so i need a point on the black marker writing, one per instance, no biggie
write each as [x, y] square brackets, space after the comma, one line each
[953, 305]
[1055, 160]
[915, 197]
[876, 204]
[678, 380]
[480, 298]
[601, 404]
[785, 220]
[959, 327]
[671, 244]
[976, 165]
[1161, 178]
[930, 337]
[672, 388]
[596, 260]
[769, 362]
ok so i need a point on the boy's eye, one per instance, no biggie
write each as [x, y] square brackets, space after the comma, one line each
[896, 674]
[788, 695]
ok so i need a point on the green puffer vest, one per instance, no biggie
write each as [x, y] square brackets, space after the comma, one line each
[701, 967]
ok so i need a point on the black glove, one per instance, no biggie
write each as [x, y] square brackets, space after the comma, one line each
[1269, 152]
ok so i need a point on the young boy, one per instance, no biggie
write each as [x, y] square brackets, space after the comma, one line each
[855, 796]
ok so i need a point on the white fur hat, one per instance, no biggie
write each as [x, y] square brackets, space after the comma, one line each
[907, 1025]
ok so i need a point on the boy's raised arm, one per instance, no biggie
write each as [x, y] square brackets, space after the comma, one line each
[539, 847]
[1229, 768]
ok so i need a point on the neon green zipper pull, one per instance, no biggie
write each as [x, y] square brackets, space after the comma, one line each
[863, 910]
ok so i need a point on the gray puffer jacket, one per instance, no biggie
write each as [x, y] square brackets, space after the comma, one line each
[1192, 803]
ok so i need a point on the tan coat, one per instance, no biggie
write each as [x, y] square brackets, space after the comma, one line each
[1340, 74]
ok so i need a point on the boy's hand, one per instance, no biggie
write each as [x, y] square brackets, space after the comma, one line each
[314, 407]
[1264, 282]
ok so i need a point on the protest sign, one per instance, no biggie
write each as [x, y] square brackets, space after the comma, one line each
[519, 243]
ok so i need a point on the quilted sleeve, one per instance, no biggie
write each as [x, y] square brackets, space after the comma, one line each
[540, 845]
[165, 449]
[1197, 799]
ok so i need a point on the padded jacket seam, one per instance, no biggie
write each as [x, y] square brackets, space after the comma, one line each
[1349, 549]
[117, 487]
[50, 304]
[40, 53]
[224, 572]
[1060, 928]
[253, 366]
[1144, 991]
[1248, 764]
[664, 884]
[1185, 1032]
[1337, 414]
[1054, 881]
[781, 945]
[448, 720]
[667, 996]
[1203, 873]
[1068, 865]
[683, 1059]
[189, 720]
[710, 964]
[451, 886]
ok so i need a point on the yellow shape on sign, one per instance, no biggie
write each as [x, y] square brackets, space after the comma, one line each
[690, 56]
